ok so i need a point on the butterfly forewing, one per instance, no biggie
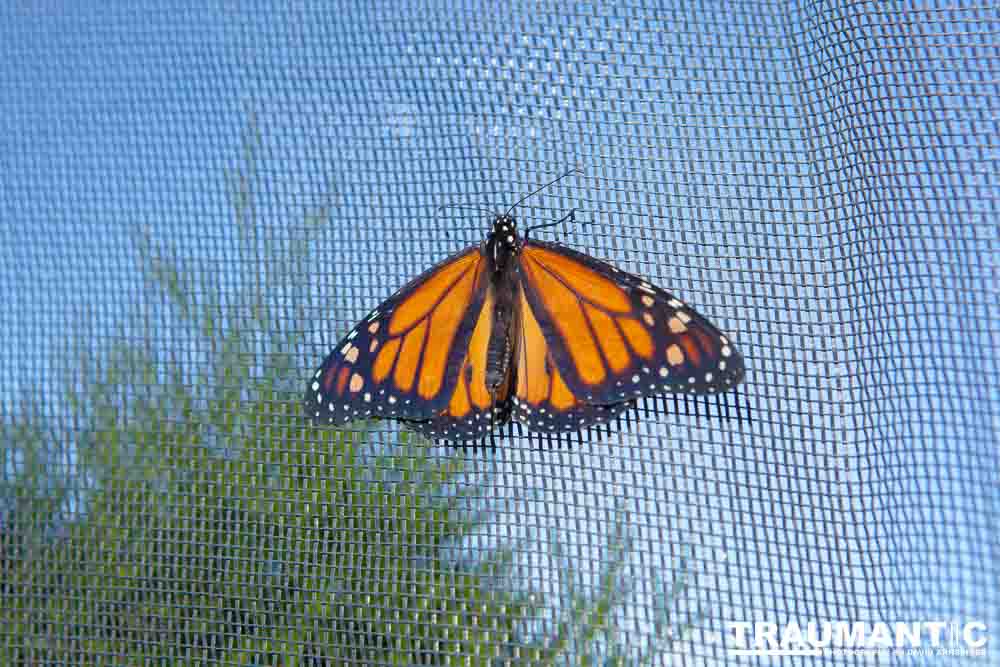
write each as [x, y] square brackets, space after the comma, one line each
[614, 337]
[400, 361]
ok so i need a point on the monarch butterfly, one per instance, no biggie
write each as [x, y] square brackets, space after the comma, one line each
[522, 329]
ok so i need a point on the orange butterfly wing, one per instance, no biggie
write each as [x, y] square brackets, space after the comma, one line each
[400, 361]
[594, 337]
[542, 400]
[472, 407]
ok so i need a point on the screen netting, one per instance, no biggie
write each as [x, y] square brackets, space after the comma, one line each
[199, 200]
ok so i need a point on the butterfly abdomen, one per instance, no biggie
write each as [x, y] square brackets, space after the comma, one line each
[500, 350]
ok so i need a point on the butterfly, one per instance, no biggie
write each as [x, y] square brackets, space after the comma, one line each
[522, 329]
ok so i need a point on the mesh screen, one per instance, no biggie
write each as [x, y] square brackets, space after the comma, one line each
[199, 201]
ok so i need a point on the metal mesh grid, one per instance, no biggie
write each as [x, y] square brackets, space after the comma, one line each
[197, 204]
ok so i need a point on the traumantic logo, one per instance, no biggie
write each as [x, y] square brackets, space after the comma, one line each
[937, 638]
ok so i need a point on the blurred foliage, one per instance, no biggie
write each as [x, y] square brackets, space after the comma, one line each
[588, 632]
[285, 553]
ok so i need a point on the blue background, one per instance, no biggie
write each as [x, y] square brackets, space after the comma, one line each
[820, 182]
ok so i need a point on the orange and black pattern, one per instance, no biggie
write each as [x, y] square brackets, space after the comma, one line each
[521, 329]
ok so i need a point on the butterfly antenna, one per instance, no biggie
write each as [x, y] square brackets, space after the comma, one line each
[550, 183]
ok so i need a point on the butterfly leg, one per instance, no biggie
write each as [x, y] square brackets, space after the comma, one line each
[569, 217]
[493, 417]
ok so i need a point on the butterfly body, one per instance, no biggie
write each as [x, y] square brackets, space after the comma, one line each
[522, 329]
[499, 251]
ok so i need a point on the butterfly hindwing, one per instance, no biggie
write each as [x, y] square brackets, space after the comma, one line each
[400, 361]
[614, 337]
[542, 399]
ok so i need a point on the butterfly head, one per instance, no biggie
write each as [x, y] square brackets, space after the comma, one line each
[503, 241]
[505, 231]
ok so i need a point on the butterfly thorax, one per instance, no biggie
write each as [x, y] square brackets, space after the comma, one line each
[502, 244]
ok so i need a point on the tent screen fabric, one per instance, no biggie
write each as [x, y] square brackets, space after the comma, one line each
[198, 201]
